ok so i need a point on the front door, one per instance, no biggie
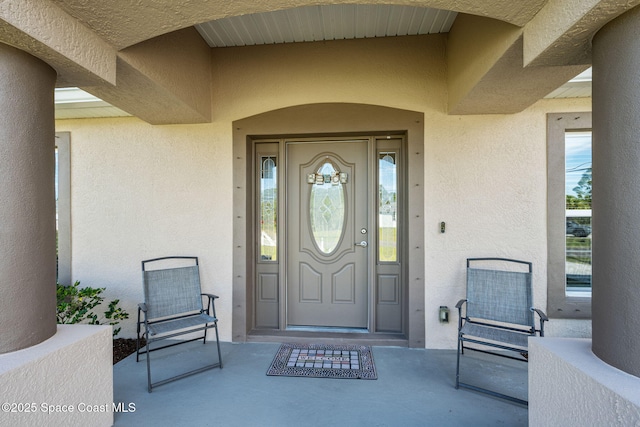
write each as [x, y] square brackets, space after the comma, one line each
[328, 233]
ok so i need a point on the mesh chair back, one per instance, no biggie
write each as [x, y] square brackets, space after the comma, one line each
[172, 291]
[502, 296]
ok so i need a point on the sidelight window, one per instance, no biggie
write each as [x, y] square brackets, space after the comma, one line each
[387, 207]
[268, 208]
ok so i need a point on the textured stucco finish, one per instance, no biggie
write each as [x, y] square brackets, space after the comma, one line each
[91, 45]
[484, 175]
[485, 70]
[27, 201]
[401, 72]
[570, 386]
[43, 29]
[124, 23]
[163, 80]
[72, 368]
[483, 39]
[616, 191]
[561, 35]
[142, 191]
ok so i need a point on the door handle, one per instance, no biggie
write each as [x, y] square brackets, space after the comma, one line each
[364, 244]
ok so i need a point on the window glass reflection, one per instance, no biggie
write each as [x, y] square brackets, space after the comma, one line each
[268, 209]
[387, 207]
[327, 210]
[578, 181]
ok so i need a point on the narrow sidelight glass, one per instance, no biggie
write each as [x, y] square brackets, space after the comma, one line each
[387, 207]
[268, 209]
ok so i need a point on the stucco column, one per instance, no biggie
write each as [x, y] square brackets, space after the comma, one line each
[616, 193]
[27, 201]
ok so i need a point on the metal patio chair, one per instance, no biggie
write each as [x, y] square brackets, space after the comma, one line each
[173, 306]
[498, 316]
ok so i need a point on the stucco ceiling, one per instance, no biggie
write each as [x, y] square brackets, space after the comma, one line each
[305, 24]
[302, 24]
[123, 23]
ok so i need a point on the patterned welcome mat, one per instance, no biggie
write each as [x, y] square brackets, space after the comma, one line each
[324, 361]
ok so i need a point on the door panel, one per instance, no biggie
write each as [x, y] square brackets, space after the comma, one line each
[327, 212]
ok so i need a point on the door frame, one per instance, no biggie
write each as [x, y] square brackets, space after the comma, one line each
[337, 119]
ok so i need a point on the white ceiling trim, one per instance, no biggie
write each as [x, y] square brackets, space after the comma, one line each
[327, 22]
[74, 103]
[578, 87]
[73, 95]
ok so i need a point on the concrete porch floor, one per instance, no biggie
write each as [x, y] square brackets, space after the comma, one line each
[415, 387]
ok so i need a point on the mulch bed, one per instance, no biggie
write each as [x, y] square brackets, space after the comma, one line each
[123, 347]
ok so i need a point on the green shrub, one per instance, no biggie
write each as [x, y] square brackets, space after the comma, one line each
[75, 305]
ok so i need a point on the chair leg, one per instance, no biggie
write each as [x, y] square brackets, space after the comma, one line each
[218, 345]
[138, 338]
[458, 366]
[148, 366]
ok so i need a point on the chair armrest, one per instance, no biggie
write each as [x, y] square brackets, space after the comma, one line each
[543, 317]
[142, 308]
[211, 296]
[211, 306]
[459, 307]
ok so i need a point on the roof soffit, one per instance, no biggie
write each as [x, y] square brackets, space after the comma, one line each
[123, 23]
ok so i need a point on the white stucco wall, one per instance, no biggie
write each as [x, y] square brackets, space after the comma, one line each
[570, 386]
[485, 176]
[139, 192]
[66, 380]
[142, 191]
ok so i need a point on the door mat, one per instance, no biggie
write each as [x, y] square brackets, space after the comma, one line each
[324, 361]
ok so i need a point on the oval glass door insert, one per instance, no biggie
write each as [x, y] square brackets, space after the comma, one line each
[327, 209]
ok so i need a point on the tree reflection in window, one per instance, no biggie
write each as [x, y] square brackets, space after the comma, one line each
[387, 207]
[327, 210]
[269, 209]
[578, 180]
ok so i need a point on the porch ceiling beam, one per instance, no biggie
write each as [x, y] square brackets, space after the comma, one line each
[486, 76]
[166, 80]
[44, 30]
[561, 33]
